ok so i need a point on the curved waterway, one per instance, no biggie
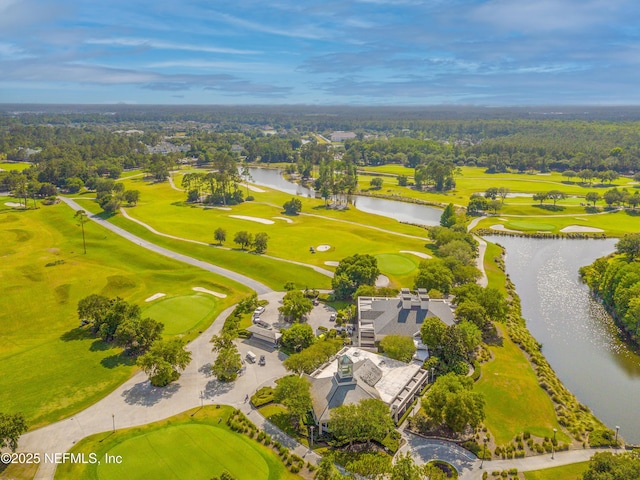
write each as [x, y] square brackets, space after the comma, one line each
[579, 339]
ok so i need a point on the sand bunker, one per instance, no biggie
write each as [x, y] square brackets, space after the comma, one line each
[417, 254]
[322, 248]
[288, 220]
[13, 204]
[227, 209]
[580, 229]
[254, 189]
[254, 219]
[155, 297]
[210, 292]
[382, 281]
[501, 228]
[331, 263]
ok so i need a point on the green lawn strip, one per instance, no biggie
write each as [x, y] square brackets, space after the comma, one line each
[51, 368]
[492, 268]
[181, 313]
[613, 224]
[515, 402]
[280, 417]
[180, 447]
[573, 471]
[9, 166]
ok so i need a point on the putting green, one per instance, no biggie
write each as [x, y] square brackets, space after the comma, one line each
[182, 313]
[524, 225]
[395, 264]
[185, 452]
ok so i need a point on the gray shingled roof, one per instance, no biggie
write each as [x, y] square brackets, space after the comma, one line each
[391, 319]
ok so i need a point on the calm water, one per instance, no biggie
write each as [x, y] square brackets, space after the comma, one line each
[579, 339]
[401, 211]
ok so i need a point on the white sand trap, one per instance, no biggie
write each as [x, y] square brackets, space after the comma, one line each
[331, 263]
[382, 281]
[253, 189]
[13, 204]
[501, 228]
[322, 248]
[210, 292]
[227, 209]
[155, 297]
[417, 254]
[253, 219]
[288, 220]
[580, 229]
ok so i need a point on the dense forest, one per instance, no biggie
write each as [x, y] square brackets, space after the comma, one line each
[71, 147]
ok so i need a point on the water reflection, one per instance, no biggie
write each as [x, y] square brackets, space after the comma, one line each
[579, 339]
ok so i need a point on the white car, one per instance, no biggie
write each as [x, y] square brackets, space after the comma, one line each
[258, 311]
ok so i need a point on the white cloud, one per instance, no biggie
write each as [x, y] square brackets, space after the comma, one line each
[159, 44]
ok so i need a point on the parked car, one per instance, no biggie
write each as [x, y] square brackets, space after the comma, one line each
[251, 357]
[258, 311]
[333, 317]
[316, 302]
[263, 361]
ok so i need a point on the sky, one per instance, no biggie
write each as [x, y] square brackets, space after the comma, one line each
[360, 52]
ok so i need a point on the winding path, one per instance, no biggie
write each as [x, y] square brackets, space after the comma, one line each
[260, 288]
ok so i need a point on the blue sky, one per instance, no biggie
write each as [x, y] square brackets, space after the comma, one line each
[366, 52]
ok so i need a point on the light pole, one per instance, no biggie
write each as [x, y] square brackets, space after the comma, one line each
[432, 368]
[311, 442]
[553, 444]
[113, 418]
[484, 452]
[617, 429]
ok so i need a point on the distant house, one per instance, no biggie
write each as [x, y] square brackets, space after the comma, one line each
[402, 315]
[340, 136]
[356, 374]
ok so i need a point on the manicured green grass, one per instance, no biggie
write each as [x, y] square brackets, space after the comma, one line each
[180, 314]
[182, 447]
[515, 402]
[14, 166]
[394, 264]
[50, 367]
[495, 275]
[530, 225]
[573, 471]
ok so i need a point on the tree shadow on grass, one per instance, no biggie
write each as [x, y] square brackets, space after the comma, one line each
[147, 395]
[78, 333]
[551, 208]
[99, 345]
[117, 360]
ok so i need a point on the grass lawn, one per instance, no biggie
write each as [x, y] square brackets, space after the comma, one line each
[180, 447]
[566, 472]
[515, 402]
[279, 416]
[8, 166]
[50, 367]
[495, 276]
[180, 314]
[164, 209]
[396, 264]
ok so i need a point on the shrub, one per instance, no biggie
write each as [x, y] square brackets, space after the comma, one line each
[262, 397]
[249, 198]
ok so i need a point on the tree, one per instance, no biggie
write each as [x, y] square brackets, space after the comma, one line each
[569, 174]
[220, 235]
[503, 193]
[613, 196]
[294, 393]
[12, 426]
[260, 242]
[539, 197]
[370, 466]
[293, 206]
[434, 274]
[82, 218]
[592, 197]
[132, 196]
[448, 217]
[93, 308]
[352, 272]
[471, 311]
[398, 347]
[328, 471]
[227, 364]
[609, 466]
[494, 303]
[491, 193]
[164, 360]
[402, 180]
[243, 238]
[451, 401]
[74, 184]
[368, 420]
[295, 305]
[432, 332]
[312, 357]
[376, 183]
[405, 468]
[629, 245]
[477, 203]
[137, 335]
[495, 205]
[556, 195]
[298, 337]
[471, 335]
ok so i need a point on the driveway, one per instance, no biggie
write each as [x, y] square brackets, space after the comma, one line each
[319, 316]
[424, 450]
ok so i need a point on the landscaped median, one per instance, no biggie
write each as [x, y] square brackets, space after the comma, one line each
[213, 440]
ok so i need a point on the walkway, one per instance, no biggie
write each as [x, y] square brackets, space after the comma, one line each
[249, 282]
